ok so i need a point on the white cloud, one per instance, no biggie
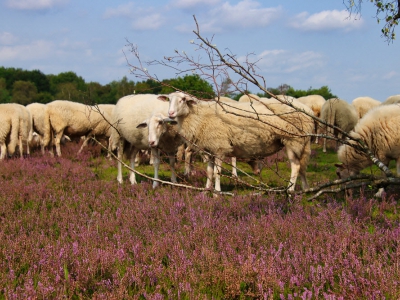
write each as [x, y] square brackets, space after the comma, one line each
[245, 14]
[390, 75]
[37, 50]
[284, 61]
[326, 20]
[34, 4]
[187, 4]
[123, 10]
[7, 38]
[142, 18]
[150, 21]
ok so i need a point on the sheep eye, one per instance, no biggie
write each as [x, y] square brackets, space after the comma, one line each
[160, 122]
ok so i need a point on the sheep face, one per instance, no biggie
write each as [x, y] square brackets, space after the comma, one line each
[343, 171]
[157, 126]
[178, 104]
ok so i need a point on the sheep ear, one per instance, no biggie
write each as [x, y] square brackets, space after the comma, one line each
[163, 98]
[142, 125]
[170, 121]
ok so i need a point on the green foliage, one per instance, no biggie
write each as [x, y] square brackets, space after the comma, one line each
[24, 92]
[11, 75]
[4, 94]
[286, 89]
[387, 12]
[192, 84]
[324, 91]
[34, 86]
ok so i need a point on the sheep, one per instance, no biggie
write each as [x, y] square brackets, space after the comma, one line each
[226, 134]
[378, 130]
[392, 100]
[103, 128]
[72, 119]
[364, 104]
[315, 102]
[249, 98]
[15, 128]
[128, 121]
[40, 123]
[339, 113]
[284, 97]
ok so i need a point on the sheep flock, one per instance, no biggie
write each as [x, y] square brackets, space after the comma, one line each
[249, 129]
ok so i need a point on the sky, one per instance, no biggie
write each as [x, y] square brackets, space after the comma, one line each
[305, 44]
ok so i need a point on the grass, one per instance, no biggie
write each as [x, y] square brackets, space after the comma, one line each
[69, 230]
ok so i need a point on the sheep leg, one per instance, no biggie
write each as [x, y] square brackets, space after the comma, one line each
[21, 147]
[210, 172]
[132, 175]
[155, 153]
[3, 148]
[217, 173]
[295, 169]
[57, 140]
[181, 152]
[234, 170]
[316, 131]
[109, 149]
[303, 167]
[172, 166]
[188, 161]
[120, 154]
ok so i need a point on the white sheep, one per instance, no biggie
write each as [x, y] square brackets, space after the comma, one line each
[72, 119]
[249, 98]
[364, 104]
[392, 100]
[103, 127]
[40, 123]
[15, 128]
[379, 129]
[226, 134]
[314, 102]
[132, 114]
[339, 113]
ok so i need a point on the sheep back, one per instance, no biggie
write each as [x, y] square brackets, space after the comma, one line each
[315, 102]
[392, 100]
[364, 104]
[339, 113]
[380, 131]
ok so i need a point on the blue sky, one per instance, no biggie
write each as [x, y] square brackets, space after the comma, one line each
[300, 43]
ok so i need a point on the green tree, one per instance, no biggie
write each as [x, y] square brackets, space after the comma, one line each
[44, 97]
[192, 84]
[24, 92]
[12, 75]
[5, 96]
[57, 81]
[69, 91]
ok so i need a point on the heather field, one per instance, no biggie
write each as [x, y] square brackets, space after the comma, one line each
[69, 231]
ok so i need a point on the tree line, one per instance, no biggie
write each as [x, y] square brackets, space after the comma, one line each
[25, 87]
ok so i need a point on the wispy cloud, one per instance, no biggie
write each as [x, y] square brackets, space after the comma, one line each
[123, 10]
[7, 38]
[285, 61]
[35, 4]
[36, 50]
[390, 75]
[245, 14]
[141, 18]
[326, 20]
[188, 4]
